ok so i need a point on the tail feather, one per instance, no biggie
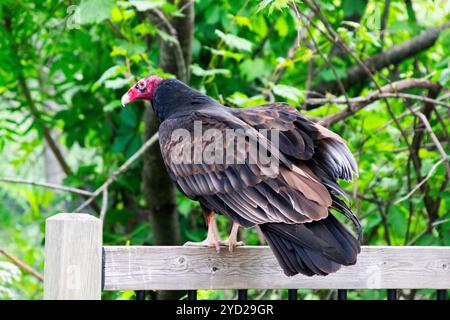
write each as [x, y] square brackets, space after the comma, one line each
[318, 247]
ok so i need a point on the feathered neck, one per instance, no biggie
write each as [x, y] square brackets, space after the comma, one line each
[174, 98]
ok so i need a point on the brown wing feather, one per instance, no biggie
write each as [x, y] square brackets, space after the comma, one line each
[245, 192]
[303, 139]
[296, 133]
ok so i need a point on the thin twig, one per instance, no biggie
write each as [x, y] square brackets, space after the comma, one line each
[432, 225]
[179, 57]
[104, 204]
[336, 39]
[45, 130]
[384, 19]
[376, 96]
[436, 141]
[22, 264]
[119, 171]
[386, 125]
[48, 185]
[327, 61]
[390, 90]
[429, 175]
[383, 215]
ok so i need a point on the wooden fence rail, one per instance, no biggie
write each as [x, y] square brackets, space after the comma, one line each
[77, 266]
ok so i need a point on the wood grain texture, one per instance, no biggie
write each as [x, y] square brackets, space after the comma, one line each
[183, 268]
[73, 257]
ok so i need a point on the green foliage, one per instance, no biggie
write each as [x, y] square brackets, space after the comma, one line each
[78, 64]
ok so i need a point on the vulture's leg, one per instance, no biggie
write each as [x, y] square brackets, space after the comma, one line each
[232, 239]
[212, 239]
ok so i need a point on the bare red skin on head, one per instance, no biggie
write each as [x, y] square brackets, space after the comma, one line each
[144, 89]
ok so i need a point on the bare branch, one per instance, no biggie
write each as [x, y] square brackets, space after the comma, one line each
[178, 52]
[436, 141]
[46, 132]
[432, 225]
[384, 19]
[21, 264]
[390, 90]
[394, 55]
[377, 96]
[429, 175]
[337, 40]
[317, 49]
[48, 185]
[104, 204]
[119, 171]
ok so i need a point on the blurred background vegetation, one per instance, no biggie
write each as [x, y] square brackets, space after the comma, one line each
[65, 64]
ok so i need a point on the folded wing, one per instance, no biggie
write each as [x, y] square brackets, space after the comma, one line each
[249, 191]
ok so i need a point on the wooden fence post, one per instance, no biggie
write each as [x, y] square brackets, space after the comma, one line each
[73, 257]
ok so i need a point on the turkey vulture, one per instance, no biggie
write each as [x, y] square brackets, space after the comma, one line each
[290, 203]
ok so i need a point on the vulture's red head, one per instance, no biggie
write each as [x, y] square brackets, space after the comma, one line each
[144, 89]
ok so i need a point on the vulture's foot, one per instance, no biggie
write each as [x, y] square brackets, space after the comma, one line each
[212, 239]
[231, 244]
[207, 243]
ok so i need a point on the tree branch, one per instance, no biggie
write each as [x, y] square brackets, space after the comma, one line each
[393, 55]
[435, 140]
[48, 185]
[182, 72]
[327, 61]
[46, 132]
[429, 175]
[118, 172]
[21, 264]
[384, 19]
[390, 90]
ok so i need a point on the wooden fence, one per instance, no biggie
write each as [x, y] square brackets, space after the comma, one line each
[77, 266]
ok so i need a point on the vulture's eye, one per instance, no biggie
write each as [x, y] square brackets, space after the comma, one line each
[141, 85]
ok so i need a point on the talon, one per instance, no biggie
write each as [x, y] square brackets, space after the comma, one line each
[231, 244]
[203, 244]
[195, 244]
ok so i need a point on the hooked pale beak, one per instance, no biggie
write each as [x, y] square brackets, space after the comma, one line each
[125, 99]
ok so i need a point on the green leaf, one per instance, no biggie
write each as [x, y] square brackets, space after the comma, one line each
[243, 22]
[354, 6]
[274, 5]
[213, 15]
[133, 145]
[128, 118]
[288, 92]
[166, 37]
[253, 69]
[131, 48]
[95, 11]
[282, 27]
[108, 74]
[114, 104]
[353, 24]
[116, 83]
[121, 142]
[264, 4]
[397, 220]
[142, 5]
[227, 54]
[241, 100]
[328, 74]
[444, 39]
[199, 71]
[235, 41]
[444, 77]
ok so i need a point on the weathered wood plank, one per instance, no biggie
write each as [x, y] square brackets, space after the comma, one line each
[184, 268]
[73, 257]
